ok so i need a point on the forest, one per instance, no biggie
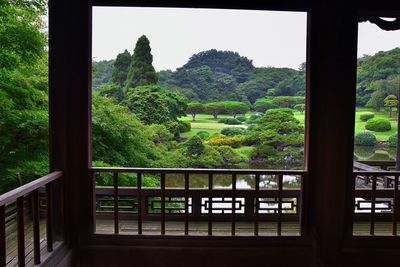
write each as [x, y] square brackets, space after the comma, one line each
[216, 111]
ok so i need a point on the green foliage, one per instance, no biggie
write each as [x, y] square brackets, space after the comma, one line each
[120, 68]
[235, 107]
[263, 104]
[377, 77]
[254, 118]
[366, 116]
[194, 108]
[215, 108]
[241, 118]
[219, 140]
[112, 90]
[380, 155]
[184, 126]
[390, 102]
[203, 135]
[300, 108]
[195, 146]
[229, 121]
[378, 125]
[232, 131]
[260, 80]
[393, 140]
[365, 138]
[141, 71]
[101, 73]
[287, 101]
[226, 62]
[154, 104]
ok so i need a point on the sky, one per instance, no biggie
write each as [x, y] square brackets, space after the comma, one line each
[269, 38]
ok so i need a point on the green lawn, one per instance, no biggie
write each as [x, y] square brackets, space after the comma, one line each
[206, 122]
[381, 136]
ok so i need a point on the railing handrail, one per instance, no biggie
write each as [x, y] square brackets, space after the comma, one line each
[28, 188]
[377, 173]
[195, 171]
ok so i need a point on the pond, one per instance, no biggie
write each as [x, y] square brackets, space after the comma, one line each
[374, 153]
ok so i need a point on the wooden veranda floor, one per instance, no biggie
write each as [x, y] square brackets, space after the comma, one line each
[129, 227]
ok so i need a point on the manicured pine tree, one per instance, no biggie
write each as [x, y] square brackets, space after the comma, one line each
[141, 71]
[120, 68]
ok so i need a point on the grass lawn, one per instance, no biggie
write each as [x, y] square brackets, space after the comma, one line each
[381, 136]
[206, 122]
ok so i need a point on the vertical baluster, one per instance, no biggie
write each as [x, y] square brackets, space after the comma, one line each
[116, 206]
[210, 205]
[233, 227]
[36, 229]
[2, 236]
[280, 189]
[139, 199]
[163, 203]
[21, 231]
[395, 204]
[186, 203]
[257, 203]
[373, 200]
[49, 219]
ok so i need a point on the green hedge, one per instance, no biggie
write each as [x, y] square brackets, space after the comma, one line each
[184, 126]
[378, 125]
[232, 131]
[365, 138]
[366, 116]
[230, 121]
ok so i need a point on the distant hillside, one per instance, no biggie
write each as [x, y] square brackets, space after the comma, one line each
[377, 76]
[224, 75]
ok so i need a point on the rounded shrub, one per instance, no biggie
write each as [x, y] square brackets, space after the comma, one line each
[378, 125]
[230, 121]
[393, 140]
[184, 126]
[380, 155]
[366, 116]
[203, 135]
[254, 118]
[365, 138]
[232, 131]
[221, 140]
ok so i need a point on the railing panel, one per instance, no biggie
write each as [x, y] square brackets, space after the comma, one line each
[201, 202]
[376, 203]
[20, 222]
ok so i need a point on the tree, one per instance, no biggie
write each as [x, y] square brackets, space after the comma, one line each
[234, 108]
[111, 90]
[147, 104]
[194, 108]
[390, 102]
[120, 68]
[263, 104]
[215, 108]
[141, 71]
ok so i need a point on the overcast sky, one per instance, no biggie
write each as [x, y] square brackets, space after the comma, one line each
[268, 38]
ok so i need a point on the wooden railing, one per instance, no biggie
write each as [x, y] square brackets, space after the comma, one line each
[18, 196]
[377, 203]
[210, 204]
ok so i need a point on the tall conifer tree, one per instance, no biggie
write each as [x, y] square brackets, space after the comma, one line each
[141, 72]
[120, 68]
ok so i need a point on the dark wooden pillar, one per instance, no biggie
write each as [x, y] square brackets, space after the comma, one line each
[332, 84]
[69, 94]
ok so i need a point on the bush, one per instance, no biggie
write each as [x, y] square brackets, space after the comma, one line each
[366, 116]
[378, 125]
[230, 121]
[241, 118]
[221, 140]
[254, 118]
[232, 131]
[184, 126]
[365, 138]
[393, 140]
[203, 135]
